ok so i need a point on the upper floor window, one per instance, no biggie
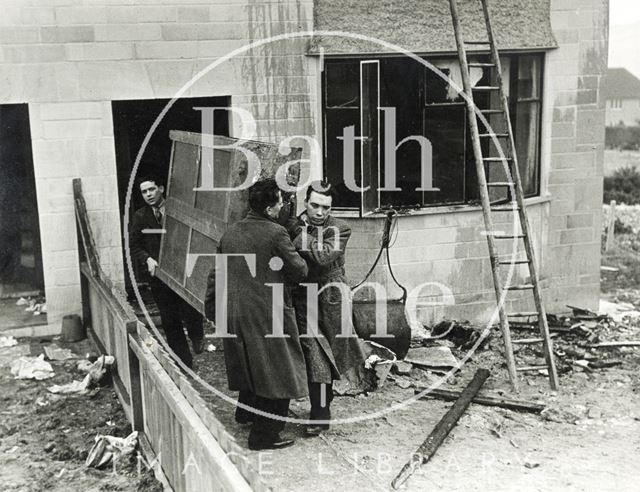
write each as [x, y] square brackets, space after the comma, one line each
[389, 113]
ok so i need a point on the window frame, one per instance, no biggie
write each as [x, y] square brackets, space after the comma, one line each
[467, 197]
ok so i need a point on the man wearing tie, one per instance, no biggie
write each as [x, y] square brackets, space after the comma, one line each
[144, 242]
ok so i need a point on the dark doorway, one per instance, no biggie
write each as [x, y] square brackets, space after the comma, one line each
[131, 122]
[20, 251]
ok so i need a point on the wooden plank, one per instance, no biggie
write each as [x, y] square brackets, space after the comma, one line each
[135, 392]
[615, 344]
[611, 226]
[237, 454]
[205, 223]
[82, 218]
[492, 401]
[227, 474]
[196, 139]
[106, 295]
[150, 459]
[118, 386]
[195, 301]
[437, 436]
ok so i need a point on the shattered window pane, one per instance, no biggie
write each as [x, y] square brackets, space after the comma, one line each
[428, 106]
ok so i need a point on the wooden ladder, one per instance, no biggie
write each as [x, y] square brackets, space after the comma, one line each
[513, 185]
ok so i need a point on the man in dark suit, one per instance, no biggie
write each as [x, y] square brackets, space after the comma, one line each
[321, 240]
[144, 242]
[263, 355]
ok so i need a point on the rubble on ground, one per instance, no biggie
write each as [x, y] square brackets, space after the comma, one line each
[97, 373]
[583, 341]
[31, 368]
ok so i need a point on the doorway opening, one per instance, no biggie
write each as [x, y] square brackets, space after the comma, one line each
[131, 122]
[21, 273]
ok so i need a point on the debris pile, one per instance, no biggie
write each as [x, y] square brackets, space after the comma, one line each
[579, 339]
[31, 368]
[36, 305]
[97, 373]
[110, 449]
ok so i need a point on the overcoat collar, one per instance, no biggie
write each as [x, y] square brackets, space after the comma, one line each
[252, 215]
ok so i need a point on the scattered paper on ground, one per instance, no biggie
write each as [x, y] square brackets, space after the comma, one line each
[9, 354]
[96, 372]
[8, 341]
[31, 368]
[57, 353]
[109, 448]
[432, 357]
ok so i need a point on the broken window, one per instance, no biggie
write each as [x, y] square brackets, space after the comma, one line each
[421, 113]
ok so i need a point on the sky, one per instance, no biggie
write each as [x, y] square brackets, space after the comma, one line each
[624, 12]
[624, 35]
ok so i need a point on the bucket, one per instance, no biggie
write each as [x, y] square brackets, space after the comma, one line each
[365, 313]
[72, 328]
[398, 330]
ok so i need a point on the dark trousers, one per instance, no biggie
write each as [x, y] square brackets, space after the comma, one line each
[174, 311]
[321, 396]
[263, 428]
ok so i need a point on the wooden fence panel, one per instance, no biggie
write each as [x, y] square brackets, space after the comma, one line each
[190, 457]
[194, 451]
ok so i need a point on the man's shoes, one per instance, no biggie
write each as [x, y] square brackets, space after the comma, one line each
[276, 443]
[315, 430]
[198, 345]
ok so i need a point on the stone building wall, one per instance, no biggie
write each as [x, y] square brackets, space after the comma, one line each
[68, 59]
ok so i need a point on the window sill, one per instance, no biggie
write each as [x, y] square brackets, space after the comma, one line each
[536, 200]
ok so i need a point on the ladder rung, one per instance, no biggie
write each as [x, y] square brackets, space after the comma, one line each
[491, 135]
[476, 64]
[519, 287]
[530, 368]
[524, 314]
[501, 183]
[527, 341]
[505, 208]
[486, 88]
[514, 262]
[497, 159]
[508, 236]
[492, 111]
[477, 42]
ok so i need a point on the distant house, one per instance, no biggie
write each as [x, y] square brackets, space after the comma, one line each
[622, 92]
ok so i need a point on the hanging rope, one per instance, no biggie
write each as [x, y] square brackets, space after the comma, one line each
[389, 236]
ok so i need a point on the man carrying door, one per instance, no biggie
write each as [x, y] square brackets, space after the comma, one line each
[262, 351]
[144, 244]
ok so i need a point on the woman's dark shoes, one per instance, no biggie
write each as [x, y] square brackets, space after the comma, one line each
[315, 430]
[275, 443]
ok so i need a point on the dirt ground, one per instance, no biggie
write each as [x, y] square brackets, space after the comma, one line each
[45, 438]
[588, 439]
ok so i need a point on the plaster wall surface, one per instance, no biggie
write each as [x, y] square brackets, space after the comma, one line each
[68, 59]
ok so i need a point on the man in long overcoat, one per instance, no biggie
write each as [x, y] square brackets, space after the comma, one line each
[332, 348]
[263, 355]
